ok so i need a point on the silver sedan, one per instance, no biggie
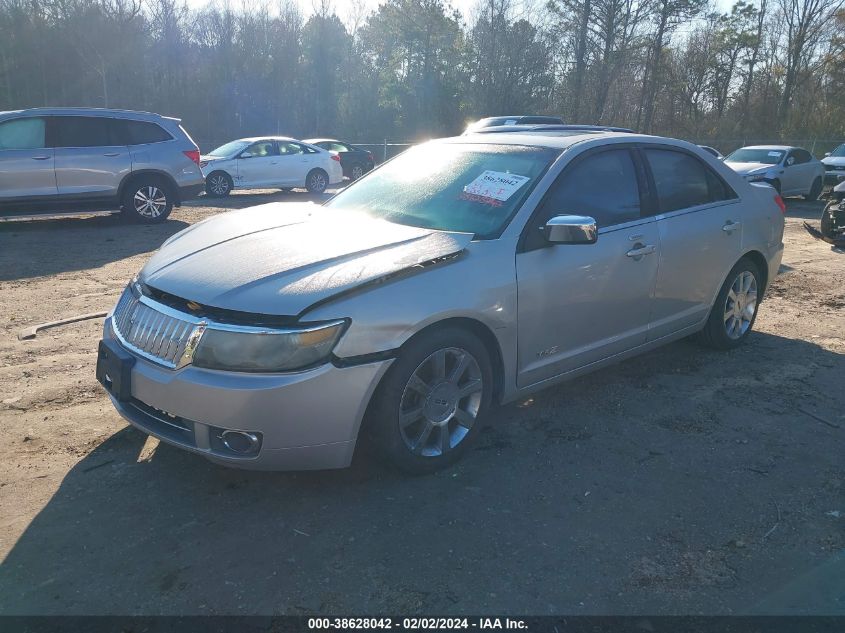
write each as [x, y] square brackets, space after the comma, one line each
[464, 273]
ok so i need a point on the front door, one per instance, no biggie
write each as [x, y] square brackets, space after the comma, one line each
[258, 165]
[579, 304]
[27, 172]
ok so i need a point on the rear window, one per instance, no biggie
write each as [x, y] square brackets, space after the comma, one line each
[683, 181]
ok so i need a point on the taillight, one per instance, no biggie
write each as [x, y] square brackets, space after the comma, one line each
[194, 155]
[779, 201]
[336, 157]
[372, 158]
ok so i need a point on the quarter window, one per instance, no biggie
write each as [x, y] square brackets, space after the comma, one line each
[683, 181]
[602, 186]
[22, 134]
[128, 132]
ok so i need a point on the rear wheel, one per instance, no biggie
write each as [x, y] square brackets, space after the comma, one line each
[218, 184]
[317, 181]
[430, 406]
[357, 172]
[148, 200]
[735, 310]
[815, 190]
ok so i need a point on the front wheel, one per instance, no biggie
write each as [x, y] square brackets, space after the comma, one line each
[430, 406]
[218, 184]
[735, 310]
[148, 200]
[815, 190]
[317, 181]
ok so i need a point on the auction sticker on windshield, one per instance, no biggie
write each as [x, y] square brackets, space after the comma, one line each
[495, 184]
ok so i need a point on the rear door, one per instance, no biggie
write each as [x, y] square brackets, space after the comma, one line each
[27, 171]
[700, 223]
[579, 304]
[296, 161]
[91, 161]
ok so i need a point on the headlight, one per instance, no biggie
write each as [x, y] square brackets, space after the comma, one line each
[267, 350]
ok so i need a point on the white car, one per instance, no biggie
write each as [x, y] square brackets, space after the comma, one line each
[269, 162]
[793, 171]
[834, 166]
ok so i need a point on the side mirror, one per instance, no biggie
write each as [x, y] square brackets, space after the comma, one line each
[571, 229]
[246, 155]
[826, 154]
[790, 161]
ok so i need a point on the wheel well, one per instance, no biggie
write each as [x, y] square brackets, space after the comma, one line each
[762, 266]
[487, 338]
[138, 175]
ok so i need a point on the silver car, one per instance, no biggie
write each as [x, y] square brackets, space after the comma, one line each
[793, 171]
[464, 273]
[55, 160]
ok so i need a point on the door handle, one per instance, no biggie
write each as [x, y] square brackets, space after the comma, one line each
[639, 250]
[40, 157]
[112, 154]
[730, 226]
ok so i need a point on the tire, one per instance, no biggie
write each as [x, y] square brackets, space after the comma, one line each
[357, 172]
[730, 321]
[317, 181]
[815, 190]
[218, 184]
[418, 420]
[148, 200]
[826, 222]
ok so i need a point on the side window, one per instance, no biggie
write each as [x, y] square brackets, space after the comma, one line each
[287, 148]
[22, 134]
[683, 181]
[128, 132]
[81, 131]
[603, 186]
[802, 156]
[262, 149]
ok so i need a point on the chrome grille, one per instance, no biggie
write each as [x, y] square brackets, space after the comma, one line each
[153, 330]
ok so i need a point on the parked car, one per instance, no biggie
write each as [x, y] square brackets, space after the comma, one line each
[269, 162]
[464, 272]
[519, 119]
[355, 161]
[793, 171]
[712, 150]
[834, 165]
[55, 160]
[833, 217]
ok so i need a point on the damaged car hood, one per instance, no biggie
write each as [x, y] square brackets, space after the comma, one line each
[280, 259]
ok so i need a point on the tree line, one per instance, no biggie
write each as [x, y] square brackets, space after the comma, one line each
[414, 69]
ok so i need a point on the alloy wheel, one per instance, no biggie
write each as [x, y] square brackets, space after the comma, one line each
[219, 185]
[150, 201]
[318, 182]
[440, 402]
[740, 305]
[357, 172]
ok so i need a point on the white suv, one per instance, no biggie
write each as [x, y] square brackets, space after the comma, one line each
[55, 160]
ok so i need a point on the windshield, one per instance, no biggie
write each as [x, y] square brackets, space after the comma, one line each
[469, 188]
[748, 155]
[229, 148]
[839, 151]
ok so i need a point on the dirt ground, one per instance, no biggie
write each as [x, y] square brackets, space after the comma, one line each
[683, 481]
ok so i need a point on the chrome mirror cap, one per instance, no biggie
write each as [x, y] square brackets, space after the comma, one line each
[571, 229]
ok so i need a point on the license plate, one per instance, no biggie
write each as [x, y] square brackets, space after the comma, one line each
[114, 369]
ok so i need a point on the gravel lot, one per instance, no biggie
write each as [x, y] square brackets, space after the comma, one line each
[683, 481]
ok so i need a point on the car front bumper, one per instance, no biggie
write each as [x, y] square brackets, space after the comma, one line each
[306, 420]
[834, 177]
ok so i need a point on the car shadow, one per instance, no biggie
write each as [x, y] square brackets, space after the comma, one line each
[804, 209]
[649, 487]
[37, 248]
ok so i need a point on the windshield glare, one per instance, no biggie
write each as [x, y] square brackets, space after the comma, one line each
[765, 156]
[839, 151]
[470, 188]
[229, 148]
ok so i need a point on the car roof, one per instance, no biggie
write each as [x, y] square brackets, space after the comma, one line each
[555, 139]
[255, 139]
[59, 111]
[548, 127]
[779, 148]
[323, 140]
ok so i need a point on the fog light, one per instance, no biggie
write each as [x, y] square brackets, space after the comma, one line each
[240, 442]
